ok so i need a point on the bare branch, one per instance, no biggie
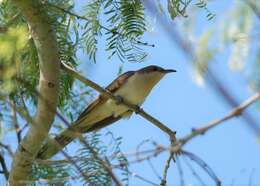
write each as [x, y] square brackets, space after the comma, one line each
[177, 146]
[4, 167]
[73, 162]
[7, 148]
[154, 169]
[194, 173]
[253, 6]
[133, 174]
[166, 168]
[47, 48]
[234, 113]
[203, 165]
[250, 183]
[15, 122]
[180, 171]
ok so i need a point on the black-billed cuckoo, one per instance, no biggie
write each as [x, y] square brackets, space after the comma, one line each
[132, 86]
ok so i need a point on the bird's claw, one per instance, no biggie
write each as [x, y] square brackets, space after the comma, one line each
[137, 109]
[119, 100]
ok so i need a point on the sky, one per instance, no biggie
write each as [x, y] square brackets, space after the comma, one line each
[231, 149]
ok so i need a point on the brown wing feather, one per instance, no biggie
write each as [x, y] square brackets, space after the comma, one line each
[112, 87]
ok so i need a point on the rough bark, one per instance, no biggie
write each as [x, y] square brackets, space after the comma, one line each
[46, 44]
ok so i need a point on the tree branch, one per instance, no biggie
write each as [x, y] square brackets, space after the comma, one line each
[253, 6]
[233, 113]
[7, 148]
[15, 122]
[134, 108]
[166, 168]
[48, 54]
[4, 167]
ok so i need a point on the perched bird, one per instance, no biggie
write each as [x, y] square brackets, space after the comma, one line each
[132, 86]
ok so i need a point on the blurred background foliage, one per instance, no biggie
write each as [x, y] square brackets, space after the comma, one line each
[121, 24]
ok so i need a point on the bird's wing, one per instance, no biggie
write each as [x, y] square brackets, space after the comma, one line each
[112, 87]
[53, 146]
[100, 124]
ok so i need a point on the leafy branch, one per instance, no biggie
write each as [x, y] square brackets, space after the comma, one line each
[125, 26]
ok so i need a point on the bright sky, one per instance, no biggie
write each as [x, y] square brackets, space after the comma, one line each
[231, 149]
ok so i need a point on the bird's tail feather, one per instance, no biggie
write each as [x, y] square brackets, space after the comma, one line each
[53, 146]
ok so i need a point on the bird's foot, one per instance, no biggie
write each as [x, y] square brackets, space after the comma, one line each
[137, 109]
[119, 100]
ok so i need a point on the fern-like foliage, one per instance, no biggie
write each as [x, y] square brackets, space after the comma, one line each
[92, 28]
[58, 175]
[127, 23]
[179, 8]
[110, 153]
[106, 146]
[123, 23]
[202, 4]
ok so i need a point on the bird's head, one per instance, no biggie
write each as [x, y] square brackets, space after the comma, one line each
[153, 74]
[155, 69]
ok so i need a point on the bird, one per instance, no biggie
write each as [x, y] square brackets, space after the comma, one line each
[131, 86]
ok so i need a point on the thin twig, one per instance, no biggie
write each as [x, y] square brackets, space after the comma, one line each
[194, 173]
[24, 105]
[103, 163]
[134, 108]
[234, 113]
[166, 168]
[7, 148]
[15, 122]
[73, 162]
[203, 165]
[250, 183]
[4, 167]
[141, 178]
[180, 171]
[253, 6]
[154, 169]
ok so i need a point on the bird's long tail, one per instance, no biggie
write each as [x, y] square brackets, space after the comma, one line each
[54, 145]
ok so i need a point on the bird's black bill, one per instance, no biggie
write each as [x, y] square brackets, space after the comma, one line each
[170, 70]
